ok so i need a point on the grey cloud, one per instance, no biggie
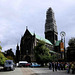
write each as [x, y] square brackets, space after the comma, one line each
[15, 15]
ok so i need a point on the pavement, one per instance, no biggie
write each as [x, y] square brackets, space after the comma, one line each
[46, 71]
[17, 71]
[27, 71]
[33, 71]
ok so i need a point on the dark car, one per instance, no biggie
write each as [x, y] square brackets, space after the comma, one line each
[9, 65]
[27, 64]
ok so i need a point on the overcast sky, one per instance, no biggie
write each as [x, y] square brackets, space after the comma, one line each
[15, 15]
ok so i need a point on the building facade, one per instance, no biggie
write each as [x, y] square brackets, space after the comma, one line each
[30, 40]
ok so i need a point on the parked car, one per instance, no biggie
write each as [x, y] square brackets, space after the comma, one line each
[35, 65]
[17, 64]
[9, 65]
[22, 63]
[27, 64]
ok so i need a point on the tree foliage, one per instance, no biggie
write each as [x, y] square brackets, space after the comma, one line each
[42, 54]
[9, 54]
[54, 57]
[10, 57]
[2, 58]
[71, 42]
[0, 48]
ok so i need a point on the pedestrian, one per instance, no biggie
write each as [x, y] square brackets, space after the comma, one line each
[62, 66]
[56, 65]
[72, 67]
[50, 65]
[53, 66]
[67, 67]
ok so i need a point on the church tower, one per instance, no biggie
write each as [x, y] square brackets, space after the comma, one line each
[50, 27]
[17, 54]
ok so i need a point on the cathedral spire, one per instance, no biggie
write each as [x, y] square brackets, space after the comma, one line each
[17, 46]
[26, 27]
[49, 10]
[50, 26]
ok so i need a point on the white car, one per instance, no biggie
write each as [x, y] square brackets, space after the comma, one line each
[22, 63]
[9, 65]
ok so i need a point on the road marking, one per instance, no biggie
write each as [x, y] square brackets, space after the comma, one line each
[27, 71]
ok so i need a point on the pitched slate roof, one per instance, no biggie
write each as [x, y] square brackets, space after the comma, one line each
[52, 51]
[43, 39]
[57, 43]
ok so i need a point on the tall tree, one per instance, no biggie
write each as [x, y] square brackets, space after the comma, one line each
[9, 54]
[71, 42]
[42, 54]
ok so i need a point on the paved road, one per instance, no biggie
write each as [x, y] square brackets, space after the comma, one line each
[33, 71]
[46, 71]
[17, 71]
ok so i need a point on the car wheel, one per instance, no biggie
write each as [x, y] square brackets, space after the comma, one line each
[8, 68]
[13, 69]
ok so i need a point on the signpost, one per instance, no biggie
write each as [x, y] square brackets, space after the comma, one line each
[62, 44]
[62, 47]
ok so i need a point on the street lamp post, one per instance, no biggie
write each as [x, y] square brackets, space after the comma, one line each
[62, 34]
[64, 48]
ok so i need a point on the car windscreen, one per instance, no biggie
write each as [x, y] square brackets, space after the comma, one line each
[8, 62]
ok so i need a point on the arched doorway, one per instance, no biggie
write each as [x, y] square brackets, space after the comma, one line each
[28, 59]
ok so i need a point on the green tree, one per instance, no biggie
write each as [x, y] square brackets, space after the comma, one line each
[2, 57]
[0, 48]
[42, 54]
[54, 58]
[71, 42]
[9, 57]
[9, 54]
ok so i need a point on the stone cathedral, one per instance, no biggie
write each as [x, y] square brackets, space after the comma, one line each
[29, 40]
